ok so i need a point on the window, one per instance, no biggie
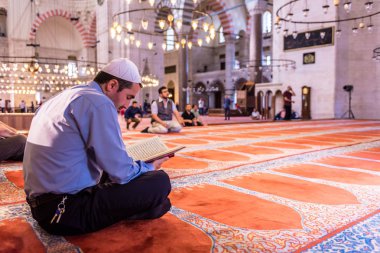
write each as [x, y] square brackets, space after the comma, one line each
[170, 39]
[221, 35]
[268, 60]
[267, 22]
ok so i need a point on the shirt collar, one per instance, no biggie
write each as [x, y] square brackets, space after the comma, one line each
[95, 85]
[160, 99]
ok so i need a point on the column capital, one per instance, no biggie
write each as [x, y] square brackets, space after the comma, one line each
[256, 6]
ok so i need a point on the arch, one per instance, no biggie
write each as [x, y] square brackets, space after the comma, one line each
[87, 38]
[278, 102]
[260, 102]
[3, 22]
[171, 89]
[267, 22]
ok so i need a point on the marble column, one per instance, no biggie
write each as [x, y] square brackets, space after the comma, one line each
[230, 63]
[183, 72]
[256, 8]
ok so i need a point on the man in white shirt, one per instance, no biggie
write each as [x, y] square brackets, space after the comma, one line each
[162, 115]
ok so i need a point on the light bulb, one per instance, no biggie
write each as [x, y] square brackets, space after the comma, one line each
[361, 25]
[195, 1]
[307, 35]
[129, 26]
[294, 34]
[189, 44]
[208, 39]
[151, 2]
[144, 24]
[161, 23]
[179, 24]
[325, 8]
[177, 45]
[150, 45]
[173, 2]
[194, 24]
[347, 6]
[305, 12]
[368, 6]
[113, 32]
[285, 32]
[114, 24]
[129, 1]
[118, 38]
[170, 18]
[322, 34]
[183, 42]
[138, 43]
[164, 46]
[200, 42]
[338, 33]
[354, 30]
[336, 2]
[205, 26]
[126, 41]
[119, 29]
[370, 28]
[132, 38]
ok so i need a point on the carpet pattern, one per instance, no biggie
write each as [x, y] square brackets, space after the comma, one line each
[309, 186]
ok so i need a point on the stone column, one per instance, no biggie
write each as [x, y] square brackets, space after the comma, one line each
[230, 63]
[183, 71]
[256, 8]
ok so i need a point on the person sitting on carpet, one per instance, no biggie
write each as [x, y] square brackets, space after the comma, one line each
[255, 114]
[162, 115]
[189, 117]
[197, 115]
[78, 176]
[133, 114]
[11, 144]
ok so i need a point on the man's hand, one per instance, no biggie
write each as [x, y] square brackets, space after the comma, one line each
[157, 164]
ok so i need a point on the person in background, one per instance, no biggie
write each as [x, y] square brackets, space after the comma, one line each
[288, 102]
[22, 106]
[133, 114]
[201, 105]
[78, 175]
[189, 117]
[255, 114]
[2, 105]
[32, 109]
[227, 107]
[195, 111]
[162, 115]
[238, 108]
[12, 144]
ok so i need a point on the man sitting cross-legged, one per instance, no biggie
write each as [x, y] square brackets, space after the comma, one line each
[162, 115]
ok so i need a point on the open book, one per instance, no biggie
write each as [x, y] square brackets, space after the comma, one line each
[151, 149]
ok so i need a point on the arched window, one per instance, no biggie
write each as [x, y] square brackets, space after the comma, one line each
[221, 35]
[3, 22]
[170, 39]
[267, 22]
[268, 60]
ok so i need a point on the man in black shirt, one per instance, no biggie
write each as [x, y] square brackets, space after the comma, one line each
[288, 102]
[189, 117]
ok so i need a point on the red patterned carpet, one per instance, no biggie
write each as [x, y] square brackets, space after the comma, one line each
[269, 187]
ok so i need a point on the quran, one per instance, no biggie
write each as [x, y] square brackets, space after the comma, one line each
[151, 149]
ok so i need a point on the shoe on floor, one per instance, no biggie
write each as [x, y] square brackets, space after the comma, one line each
[145, 130]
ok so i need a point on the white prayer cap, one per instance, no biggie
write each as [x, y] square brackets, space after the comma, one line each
[124, 69]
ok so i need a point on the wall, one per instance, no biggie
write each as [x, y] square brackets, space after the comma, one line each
[321, 76]
[355, 66]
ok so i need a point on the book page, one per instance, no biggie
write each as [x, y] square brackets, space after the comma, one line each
[146, 149]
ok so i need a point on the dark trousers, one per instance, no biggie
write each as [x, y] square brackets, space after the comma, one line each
[12, 148]
[94, 208]
[136, 122]
[288, 112]
[227, 112]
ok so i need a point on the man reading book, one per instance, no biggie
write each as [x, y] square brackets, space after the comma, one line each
[74, 139]
[12, 144]
[162, 115]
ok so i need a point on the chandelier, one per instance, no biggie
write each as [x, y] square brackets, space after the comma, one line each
[28, 75]
[178, 26]
[297, 13]
[148, 79]
[376, 54]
